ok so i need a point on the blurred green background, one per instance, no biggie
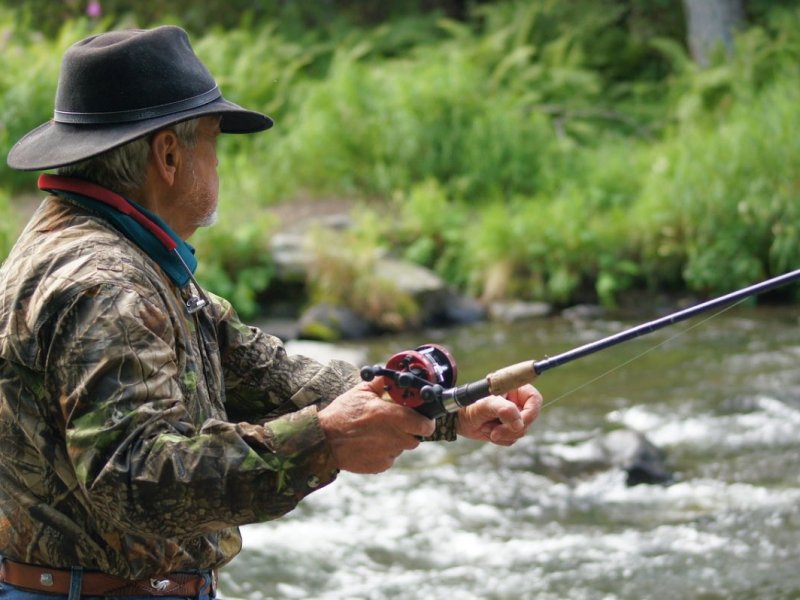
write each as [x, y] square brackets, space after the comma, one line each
[540, 150]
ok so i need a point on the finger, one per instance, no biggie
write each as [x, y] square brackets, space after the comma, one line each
[511, 426]
[529, 415]
[417, 424]
[504, 436]
[525, 396]
[410, 442]
[506, 412]
[377, 386]
[498, 440]
[529, 400]
[407, 420]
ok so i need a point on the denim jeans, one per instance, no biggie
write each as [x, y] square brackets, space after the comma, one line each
[12, 592]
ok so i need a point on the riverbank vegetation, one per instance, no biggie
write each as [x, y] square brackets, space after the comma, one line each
[547, 150]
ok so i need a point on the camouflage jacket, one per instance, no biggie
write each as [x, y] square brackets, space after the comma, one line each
[135, 437]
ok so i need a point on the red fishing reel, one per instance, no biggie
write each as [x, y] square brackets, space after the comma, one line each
[410, 373]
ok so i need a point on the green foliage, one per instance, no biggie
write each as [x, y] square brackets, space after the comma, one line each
[482, 113]
[235, 260]
[729, 170]
[257, 67]
[9, 227]
[28, 81]
[198, 17]
[561, 151]
[427, 228]
[721, 200]
[344, 272]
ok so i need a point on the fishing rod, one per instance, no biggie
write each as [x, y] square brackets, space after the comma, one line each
[425, 378]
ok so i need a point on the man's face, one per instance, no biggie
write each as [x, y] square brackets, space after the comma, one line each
[199, 189]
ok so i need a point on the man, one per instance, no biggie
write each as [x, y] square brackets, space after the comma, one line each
[141, 422]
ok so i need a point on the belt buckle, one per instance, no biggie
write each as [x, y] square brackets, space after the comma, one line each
[159, 584]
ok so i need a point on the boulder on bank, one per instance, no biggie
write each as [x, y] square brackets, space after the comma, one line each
[512, 311]
[326, 322]
[437, 303]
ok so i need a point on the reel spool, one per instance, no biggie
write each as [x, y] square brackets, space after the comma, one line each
[409, 371]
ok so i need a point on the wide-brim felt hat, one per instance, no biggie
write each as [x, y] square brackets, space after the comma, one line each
[121, 85]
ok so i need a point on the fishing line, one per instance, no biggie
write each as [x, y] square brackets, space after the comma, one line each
[424, 378]
[640, 355]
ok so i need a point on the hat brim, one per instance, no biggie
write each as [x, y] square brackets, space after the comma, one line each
[54, 144]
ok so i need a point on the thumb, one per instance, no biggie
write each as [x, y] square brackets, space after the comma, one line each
[377, 386]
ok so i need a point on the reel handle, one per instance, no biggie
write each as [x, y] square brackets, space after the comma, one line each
[428, 384]
[417, 378]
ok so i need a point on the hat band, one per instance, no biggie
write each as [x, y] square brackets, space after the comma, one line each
[139, 114]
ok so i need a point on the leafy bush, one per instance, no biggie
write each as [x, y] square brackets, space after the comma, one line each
[723, 202]
[343, 273]
[719, 206]
[427, 228]
[28, 82]
[235, 260]
[9, 226]
[550, 150]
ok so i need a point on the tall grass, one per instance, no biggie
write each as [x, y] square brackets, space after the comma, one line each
[30, 64]
[719, 205]
[536, 150]
[721, 201]
[8, 226]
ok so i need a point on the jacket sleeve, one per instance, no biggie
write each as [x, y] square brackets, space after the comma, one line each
[149, 457]
[262, 381]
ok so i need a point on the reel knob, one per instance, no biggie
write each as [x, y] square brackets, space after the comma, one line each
[410, 371]
[370, 372]
[405, 380]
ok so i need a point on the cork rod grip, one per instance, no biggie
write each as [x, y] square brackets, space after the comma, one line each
[511, 377]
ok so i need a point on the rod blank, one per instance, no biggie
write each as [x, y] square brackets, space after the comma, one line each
[508, 378]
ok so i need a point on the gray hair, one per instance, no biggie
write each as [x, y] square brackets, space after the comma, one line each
[122, 169]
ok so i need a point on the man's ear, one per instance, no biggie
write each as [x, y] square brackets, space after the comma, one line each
[165, 155]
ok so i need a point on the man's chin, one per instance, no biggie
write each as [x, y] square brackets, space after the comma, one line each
[209, 220]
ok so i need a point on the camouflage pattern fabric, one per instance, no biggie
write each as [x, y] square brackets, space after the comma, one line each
[136, 438]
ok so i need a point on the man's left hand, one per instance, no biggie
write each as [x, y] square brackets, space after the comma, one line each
[501, 420]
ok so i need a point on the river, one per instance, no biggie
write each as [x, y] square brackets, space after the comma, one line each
[463, 520]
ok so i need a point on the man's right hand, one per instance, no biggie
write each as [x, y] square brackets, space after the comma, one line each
[367, 433]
